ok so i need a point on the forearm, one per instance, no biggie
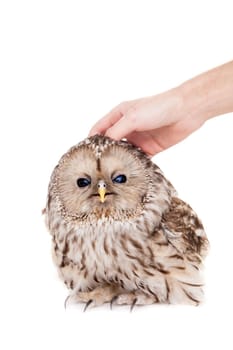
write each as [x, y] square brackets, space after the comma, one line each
[209, 94]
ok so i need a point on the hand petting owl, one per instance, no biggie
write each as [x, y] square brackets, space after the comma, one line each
[120, 233]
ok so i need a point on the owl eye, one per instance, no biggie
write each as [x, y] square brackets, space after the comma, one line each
[120, 179]
[83, 182]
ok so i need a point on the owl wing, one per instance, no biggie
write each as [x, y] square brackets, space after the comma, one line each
[184, 230]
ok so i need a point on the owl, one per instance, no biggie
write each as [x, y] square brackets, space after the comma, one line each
[120, 234]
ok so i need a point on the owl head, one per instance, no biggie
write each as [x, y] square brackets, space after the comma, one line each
[101, 177]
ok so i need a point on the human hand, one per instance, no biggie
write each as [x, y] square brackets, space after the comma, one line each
[152, 123]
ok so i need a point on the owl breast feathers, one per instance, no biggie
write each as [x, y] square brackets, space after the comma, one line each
[120, 234]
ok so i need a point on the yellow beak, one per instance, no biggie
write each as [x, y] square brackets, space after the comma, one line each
[102, 192]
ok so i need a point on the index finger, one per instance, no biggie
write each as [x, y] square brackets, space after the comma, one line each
[106, 122]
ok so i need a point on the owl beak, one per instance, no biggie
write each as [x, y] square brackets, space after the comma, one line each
[102, 191]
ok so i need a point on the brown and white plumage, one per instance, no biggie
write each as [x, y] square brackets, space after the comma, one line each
[122, 235]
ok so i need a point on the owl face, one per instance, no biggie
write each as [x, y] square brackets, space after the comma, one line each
[101, 179]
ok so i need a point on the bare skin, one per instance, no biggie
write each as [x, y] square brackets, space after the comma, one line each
[157, 122]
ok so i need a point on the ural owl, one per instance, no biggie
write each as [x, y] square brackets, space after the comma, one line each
[120, 233]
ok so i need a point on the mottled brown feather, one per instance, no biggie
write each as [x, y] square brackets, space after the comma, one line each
[142, 245]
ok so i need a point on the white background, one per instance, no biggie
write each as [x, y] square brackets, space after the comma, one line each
[63, 65]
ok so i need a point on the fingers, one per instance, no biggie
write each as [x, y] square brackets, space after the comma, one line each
[122, 128]
[107, 121]
[147, 142]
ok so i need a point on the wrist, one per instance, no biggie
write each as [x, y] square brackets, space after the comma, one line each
[209, 94]
[195, 102]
